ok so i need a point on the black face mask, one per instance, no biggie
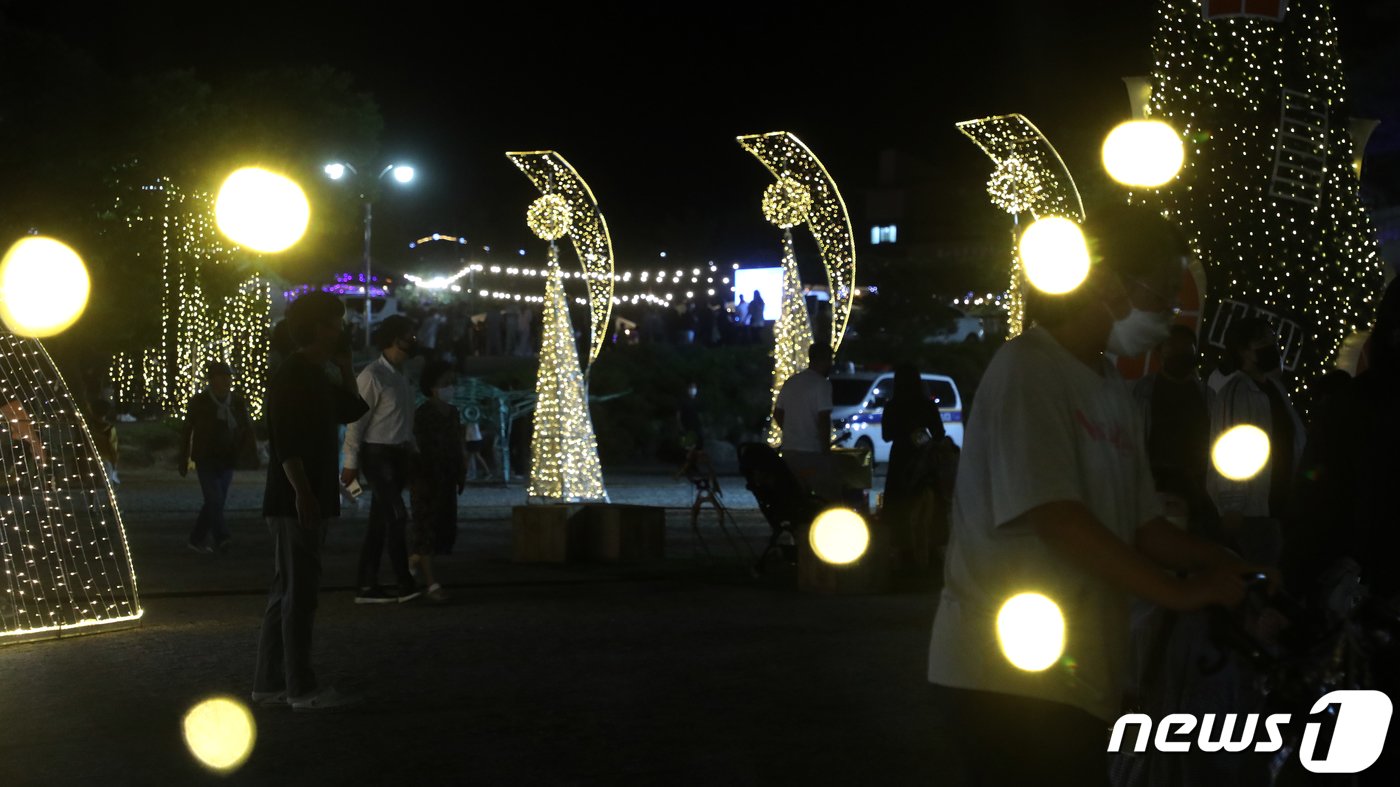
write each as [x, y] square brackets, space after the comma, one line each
[1267, 359]
[409, 349]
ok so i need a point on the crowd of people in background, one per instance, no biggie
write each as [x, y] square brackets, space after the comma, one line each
[453, 332]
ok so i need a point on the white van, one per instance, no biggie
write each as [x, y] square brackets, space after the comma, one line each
[858, 403]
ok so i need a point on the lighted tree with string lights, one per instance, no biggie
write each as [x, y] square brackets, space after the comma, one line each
[197, 326]
[786, 204]
[804, 193]
[564, 464]
[1268, 197]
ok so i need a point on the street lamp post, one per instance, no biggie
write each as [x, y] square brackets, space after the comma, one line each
[403, 174]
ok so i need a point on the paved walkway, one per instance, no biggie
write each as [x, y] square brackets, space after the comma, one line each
[684, 671]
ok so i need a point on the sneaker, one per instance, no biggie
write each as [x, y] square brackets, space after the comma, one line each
[407, 593]
[327, 699]
[269, 699]
[222, 546]
[200, 548]
[437, 594]
[375, 595]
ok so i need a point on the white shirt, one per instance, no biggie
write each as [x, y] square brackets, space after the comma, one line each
[802, 397]
[1217, 380]
[1241, 401]
[390, 417]
[1046, 429]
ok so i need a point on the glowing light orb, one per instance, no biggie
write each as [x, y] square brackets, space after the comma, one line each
[403, 174]
[1054, 254]
[1241, 452]
[262, 210]
[1031, 630]
[839, 536]
[549, 217]
[786, 203]
[220, 733]
[44, 287]
[335, 171]
[1143, 153]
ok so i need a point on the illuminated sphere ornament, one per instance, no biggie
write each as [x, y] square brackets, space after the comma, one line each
[839, 536]
[220, 733]
[1015, 186]
[549, 217]
[1031, 630]
[1054, 254]
[261, 210]
[1143, 153]
[1241, 452]
[43, 287]
[786, 203]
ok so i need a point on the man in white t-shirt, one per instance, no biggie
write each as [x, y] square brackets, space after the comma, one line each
[803, 412]
[1055, 496]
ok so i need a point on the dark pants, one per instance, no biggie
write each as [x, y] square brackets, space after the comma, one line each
[386, 467]
[284, 649]
[434, 503]
[214, 482]
[1008, 740]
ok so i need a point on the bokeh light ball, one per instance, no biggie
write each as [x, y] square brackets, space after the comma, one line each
[220, 733]
[1031, 630]
[839, 536]
[262, 210]
[44, 287]
[1241, 452]
[1143, 153]
[1054, 255]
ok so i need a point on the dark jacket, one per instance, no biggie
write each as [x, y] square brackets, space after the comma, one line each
[208, 439]
[437, 430]
[304, 413]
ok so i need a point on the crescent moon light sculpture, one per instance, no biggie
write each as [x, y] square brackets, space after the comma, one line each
[553, 175]
[788, 159]
[564, 463]
[1029, 177]
[804, 192]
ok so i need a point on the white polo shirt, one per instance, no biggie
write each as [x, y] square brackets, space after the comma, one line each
[802, 397]
[390, 417]
[1046, 428]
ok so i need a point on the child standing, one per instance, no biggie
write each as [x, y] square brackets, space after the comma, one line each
[441, 477]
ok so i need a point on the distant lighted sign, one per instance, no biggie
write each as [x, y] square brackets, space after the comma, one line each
[768, 282]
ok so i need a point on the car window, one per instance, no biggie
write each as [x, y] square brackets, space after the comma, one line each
[847, 393]
[881, 395]
[941, 391]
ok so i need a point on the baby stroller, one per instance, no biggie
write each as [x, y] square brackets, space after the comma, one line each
[1286, 654]
[785, 503]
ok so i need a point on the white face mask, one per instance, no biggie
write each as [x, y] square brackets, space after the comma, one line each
[1137, 333]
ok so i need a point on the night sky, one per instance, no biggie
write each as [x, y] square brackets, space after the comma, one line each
[645, 100]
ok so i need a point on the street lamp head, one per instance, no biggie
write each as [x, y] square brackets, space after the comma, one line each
[335, 171]
[403, 174]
